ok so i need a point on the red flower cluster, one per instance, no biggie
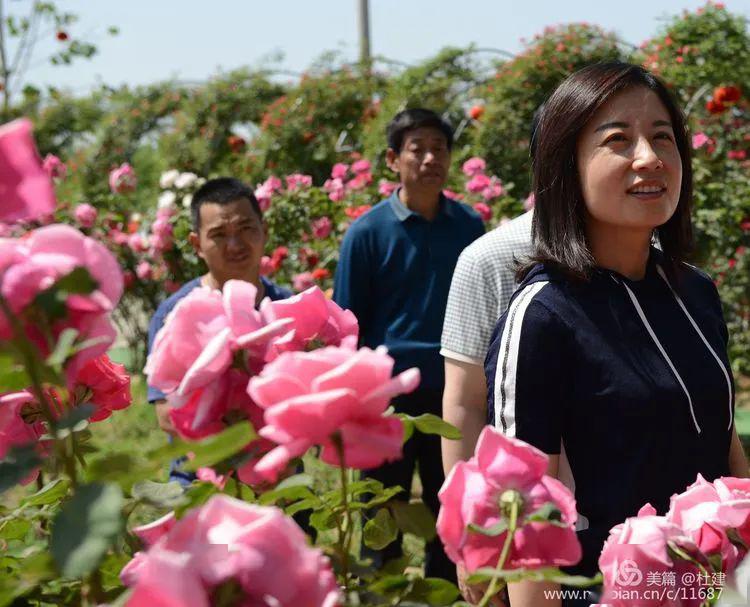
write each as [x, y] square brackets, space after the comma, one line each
[236, 143]
[723, 97]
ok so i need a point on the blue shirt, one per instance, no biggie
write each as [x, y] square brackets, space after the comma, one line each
[394, 273]
[273, 291]
[631, 377]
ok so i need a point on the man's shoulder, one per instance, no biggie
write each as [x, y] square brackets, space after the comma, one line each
[273, 291]
[170, 302]
[498, 246]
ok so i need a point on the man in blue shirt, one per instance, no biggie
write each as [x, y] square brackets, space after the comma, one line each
[229, 234]
[394, 273]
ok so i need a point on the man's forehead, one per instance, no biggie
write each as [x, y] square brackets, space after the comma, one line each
[213, 214]
[424, 133]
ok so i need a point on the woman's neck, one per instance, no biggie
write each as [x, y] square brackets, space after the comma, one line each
[624, 251]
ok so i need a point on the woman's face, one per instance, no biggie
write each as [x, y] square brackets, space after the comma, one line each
[629, 164]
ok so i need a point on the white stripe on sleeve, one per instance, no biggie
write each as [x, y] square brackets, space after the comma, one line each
[507, 359]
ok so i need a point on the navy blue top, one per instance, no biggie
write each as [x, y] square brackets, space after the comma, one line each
[631, 376]
[273, 291]
[394, 273]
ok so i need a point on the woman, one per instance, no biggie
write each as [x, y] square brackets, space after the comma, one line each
[612, 357]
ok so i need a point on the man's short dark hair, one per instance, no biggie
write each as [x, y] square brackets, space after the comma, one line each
[222, 190]
[559, 220]
[415, 118]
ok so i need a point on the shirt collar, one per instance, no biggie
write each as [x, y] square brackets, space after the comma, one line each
[403, 212]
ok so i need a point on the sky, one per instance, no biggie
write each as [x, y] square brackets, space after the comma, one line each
[191, 40]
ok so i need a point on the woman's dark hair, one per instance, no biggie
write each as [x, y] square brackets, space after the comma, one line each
[415, 118]
[558, 228]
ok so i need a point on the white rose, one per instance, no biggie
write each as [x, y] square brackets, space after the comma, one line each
[185, 180]
[187, 200]
[167, 200]
[168, 178]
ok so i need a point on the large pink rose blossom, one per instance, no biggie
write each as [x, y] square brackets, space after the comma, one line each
[473, 166]
[706, 512]
[311, 398]
[26, 189]
[37, 262]
[85, 215]
[316, 319]
[54, 167]
[472, 494]
[227, 540]
[637, 550]
[122, 179]
[193, 354]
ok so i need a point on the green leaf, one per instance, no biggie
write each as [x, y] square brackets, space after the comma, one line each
[296, 487]
[433, 591]
[196, 495]
[323, 520]
[110, 570]
[497, 529]
[391, 584]
[14, 529]
[162, 495]
[210, 450]
[384, 497]
[17, 465]
[427, 423]
[546, 513]
[414, 518]
[13, 375]
[63, 347]
[73, 420]
[110, 467]
[85, 528]
[52, 492]
[380, 530]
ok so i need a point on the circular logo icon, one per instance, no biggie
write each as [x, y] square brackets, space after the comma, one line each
[628, 574]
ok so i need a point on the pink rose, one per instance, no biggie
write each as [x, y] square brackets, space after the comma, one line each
[273, 183]
[361, 166]
[452, 195]
[297, 181]
[193, 354]
[104, 384]
[54, 167]
[263, 194]
[493, 190]
[152, 532]
[144, 271]
[25, 187]
[138, 243]
[706, 512]
[335, 188]
[478, 183]
[736, 154]
[386, 188]
[530, 202]
[339, 170]
[321, 228]
[485, 212]
[37, 262]
[315, 319]
[256, 547]
[208, 475]
[122, 179]
[699, 140]
[302, 281]
[85, 215]
[17, 430]
[360, 181]
[472, 495]
[309, 398]
[473, 166]
[637, 550]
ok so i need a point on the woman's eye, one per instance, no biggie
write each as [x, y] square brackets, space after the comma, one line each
[663, 136]
[615, 138]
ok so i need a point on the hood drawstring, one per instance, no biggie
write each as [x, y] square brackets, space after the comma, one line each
[705, 342]
[645, 322]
